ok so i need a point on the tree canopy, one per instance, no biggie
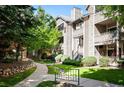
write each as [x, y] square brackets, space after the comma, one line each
[116, 12]
[14, 22]
[46, 34]
[19, 24]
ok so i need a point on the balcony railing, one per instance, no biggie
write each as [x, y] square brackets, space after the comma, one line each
[105, 37]
[78, 32]
[99, 17]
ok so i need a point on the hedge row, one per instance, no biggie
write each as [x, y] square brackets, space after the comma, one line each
[86, 61]
[104, 61]
[72, 62]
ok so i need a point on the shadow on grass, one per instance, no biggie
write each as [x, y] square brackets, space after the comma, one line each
[52, 70]
[12, 80]
[115, 76]
[47, 84]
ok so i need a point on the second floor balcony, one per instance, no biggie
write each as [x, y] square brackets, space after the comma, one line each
[106, 38]
[99, 17]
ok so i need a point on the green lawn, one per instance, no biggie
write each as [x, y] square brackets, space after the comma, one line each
[12, 80]
[52, 70]
[43, 61]
[47, 84]
[115, 76]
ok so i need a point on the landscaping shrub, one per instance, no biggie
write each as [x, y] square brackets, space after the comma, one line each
[58, 57]
[121, 62]
[88, 61]
[103, 61]
[72, 62]
[61, 58]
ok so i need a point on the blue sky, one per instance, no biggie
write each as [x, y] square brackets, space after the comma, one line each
[56, 10]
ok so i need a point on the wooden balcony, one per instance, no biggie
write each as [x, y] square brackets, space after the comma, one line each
[99, 17]
[106, 38]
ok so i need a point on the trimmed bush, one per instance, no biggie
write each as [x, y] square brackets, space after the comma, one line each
[88, 61]
[72, 62]
[61, 58]
[58, 57]
[104, 61]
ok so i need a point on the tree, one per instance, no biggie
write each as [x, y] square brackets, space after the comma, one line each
[116, 12]
[14, 24]
[46, 34]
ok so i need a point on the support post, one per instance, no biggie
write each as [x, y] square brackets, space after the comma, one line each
[117, 42]
[106, 50]
[117, 49]
[55, 75]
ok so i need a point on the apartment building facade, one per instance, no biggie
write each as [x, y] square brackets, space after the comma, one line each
[90, 35]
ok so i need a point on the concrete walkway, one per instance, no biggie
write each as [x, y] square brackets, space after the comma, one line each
[85, 82]
[41, 75]
[34, 79]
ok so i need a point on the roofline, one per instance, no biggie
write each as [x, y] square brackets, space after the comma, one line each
[87, 7]
[81, 18]
[62, 19]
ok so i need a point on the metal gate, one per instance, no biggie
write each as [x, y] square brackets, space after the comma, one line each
[70, 75]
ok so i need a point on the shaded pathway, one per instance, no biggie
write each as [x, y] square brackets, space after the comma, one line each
[34, 79]
[41, 75]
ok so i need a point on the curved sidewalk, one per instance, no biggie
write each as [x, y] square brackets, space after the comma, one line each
[41, 74]
[35, 78]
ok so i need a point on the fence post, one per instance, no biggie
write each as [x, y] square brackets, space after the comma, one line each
[78, 77]
[55, 75]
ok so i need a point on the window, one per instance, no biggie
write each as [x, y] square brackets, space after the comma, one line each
[112, 29]
[78, 25]
[61, 27]
[81, 41]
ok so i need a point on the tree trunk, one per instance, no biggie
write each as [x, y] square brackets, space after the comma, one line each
[17, 52]
[39, 54]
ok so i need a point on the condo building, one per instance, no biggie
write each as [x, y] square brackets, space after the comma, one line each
[90, 35]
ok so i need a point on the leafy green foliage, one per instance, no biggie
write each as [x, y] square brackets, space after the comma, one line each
[46, 34]
[61, 57]
[44, 61]
[115, 12]
[103, 61]
[15, 22]
[115, 76]
[121, 62]
[48, 84]
[11, 81]
[88, 61]
[72, 62]
[52, 68]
